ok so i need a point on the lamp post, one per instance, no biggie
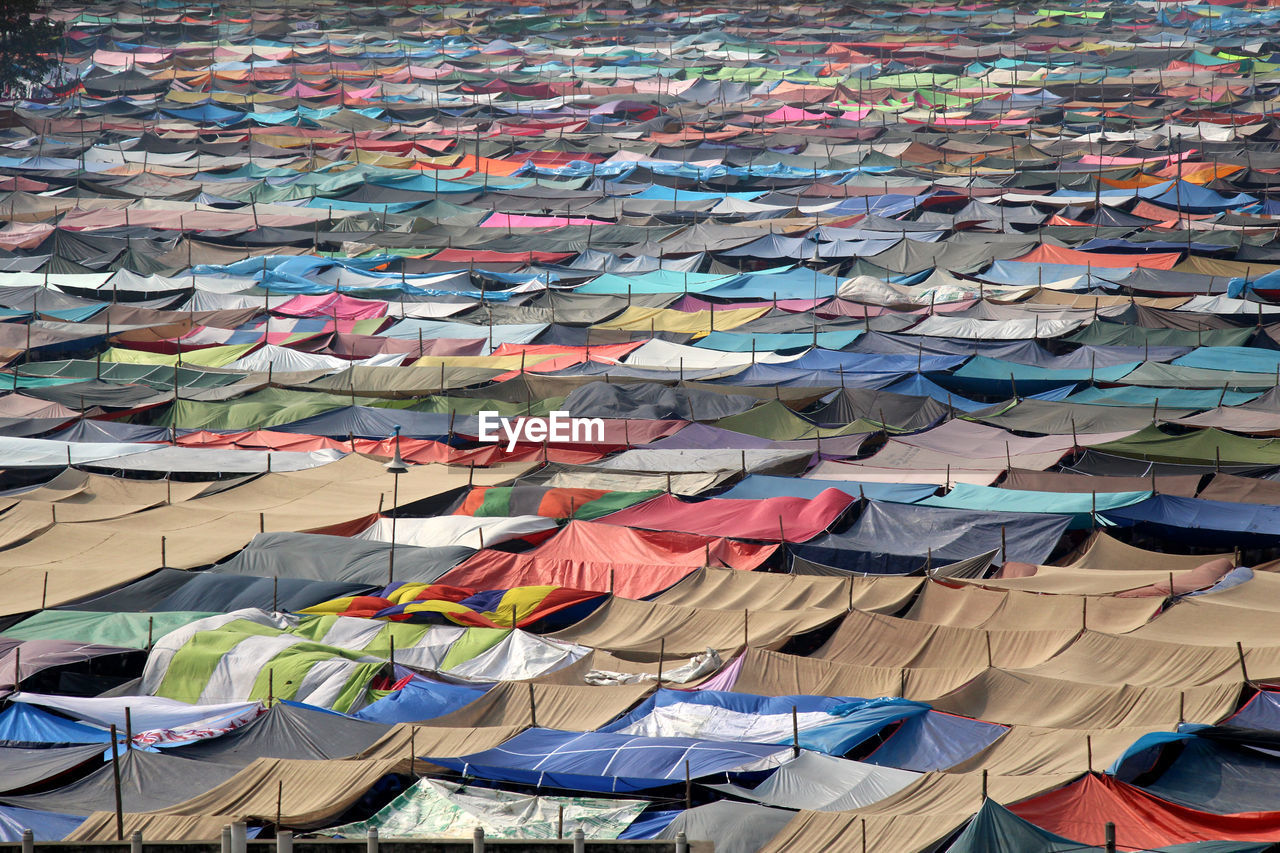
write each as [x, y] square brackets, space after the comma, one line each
[397, 467]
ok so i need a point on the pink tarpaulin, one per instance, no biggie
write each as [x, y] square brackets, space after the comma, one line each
[332, 305]
[772, 519]
[795, 114]
[518, 220]
[24, 235]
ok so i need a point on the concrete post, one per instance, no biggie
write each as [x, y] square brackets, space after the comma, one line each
[239, 839]
[579, 840]
[371, 840]
[135, 843]
[226, 838]
[284, 841]
[28, 841]
[682, 843]
[477, 841]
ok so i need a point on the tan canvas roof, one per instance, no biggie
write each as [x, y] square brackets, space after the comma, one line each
[313, 793]
[85, 557]
[557, 706]
[1032, 750]
[971, 606]
[1106, 552]
[1032, 700]
[642, 626]
[407, 739]
[878, 640]
[770, 673]
[914, 819]
[728, 589]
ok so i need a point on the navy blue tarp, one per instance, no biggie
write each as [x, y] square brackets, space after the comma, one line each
[935, 741]
[599, 761]
[896, 538]
[1204, 522]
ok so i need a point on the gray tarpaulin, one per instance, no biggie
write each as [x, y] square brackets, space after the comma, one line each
[337, 558]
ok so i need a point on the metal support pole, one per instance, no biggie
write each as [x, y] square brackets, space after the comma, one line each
[115, 773]
[284, 841]
[682, 843]
[579, 841]
[477, 841]
[371, 840]
[1110, 830]
[135, 843]
[226, 838]
[28, 841]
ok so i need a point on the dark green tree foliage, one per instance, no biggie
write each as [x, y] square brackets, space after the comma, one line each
[29, 45]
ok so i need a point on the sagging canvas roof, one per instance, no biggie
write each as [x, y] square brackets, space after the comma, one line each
[624, 625]
[201, 531]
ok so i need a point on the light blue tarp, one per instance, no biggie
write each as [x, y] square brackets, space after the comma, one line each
[23, 724]
[1079, 505]
[982, 375]
[1172, 398]
[1239, 359]
[657, 281]
[420, 699]
[798, 283]
[776, 341]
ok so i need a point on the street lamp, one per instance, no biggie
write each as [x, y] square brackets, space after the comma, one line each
[397, 467]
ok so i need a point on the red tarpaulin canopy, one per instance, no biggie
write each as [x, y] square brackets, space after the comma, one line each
[1081, 811]
[584, 554]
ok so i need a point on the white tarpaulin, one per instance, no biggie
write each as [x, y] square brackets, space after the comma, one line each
[464, 530]
[822, 783]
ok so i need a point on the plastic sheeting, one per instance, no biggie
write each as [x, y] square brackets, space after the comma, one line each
[1080, 810]
[337, 558]
[733, 827]
[604, 557]
[455, 530]
[435, 809]
[610, 762]
[288, 730]
[898, 538]
[823, 783]
[781, 519]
